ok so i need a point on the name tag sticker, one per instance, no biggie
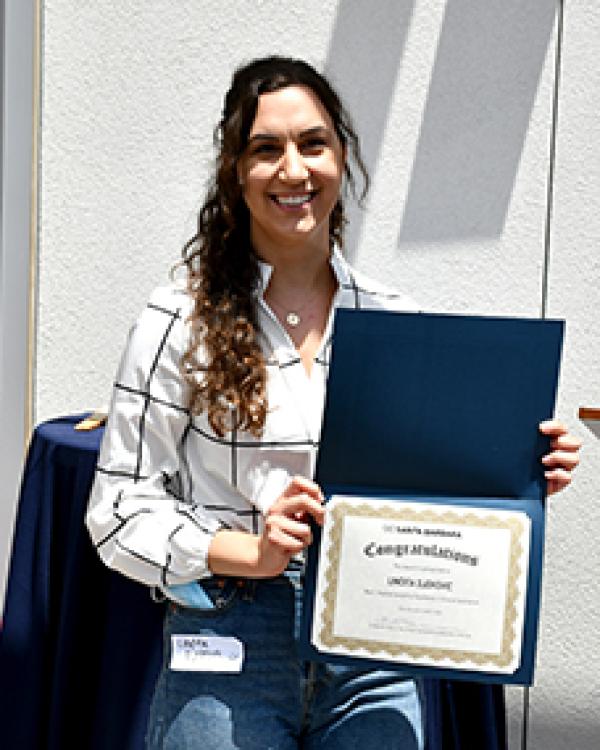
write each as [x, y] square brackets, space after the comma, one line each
[206, 653]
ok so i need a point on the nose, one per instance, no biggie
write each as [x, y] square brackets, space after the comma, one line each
[293, 166]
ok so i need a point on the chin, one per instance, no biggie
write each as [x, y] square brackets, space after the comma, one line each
[302, 234]
[304, 230]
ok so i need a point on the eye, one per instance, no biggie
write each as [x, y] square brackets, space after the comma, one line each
[267, 149]
[317, 143]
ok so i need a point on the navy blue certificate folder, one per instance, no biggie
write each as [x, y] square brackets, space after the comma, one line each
[443, 408]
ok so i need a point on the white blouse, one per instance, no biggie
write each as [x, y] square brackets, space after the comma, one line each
[165, 482]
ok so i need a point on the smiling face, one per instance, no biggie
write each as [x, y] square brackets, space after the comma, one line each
[291, 172]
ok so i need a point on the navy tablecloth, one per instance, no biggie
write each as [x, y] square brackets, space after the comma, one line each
[81, 646]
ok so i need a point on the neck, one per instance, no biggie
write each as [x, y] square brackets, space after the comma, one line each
[300, 294]
[300, 275]
[298, 280]
[296, 262]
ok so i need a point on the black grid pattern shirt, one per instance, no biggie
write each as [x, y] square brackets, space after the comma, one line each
[165, 482]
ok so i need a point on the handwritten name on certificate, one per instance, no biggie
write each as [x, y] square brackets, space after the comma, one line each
[422, 583]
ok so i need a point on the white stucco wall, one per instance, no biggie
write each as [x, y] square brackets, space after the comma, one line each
[16, 131]
[454, 124]
[564, 706]
[453, 100]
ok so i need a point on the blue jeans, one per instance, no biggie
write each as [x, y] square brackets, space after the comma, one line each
[277, 702]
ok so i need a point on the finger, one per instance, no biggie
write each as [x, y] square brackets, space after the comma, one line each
[552, 427]
[300, 484]
[561, 459]
[287, 544]
[566, 442]
[557, 479]
[299, 505]
[290, 526]
[288, 533]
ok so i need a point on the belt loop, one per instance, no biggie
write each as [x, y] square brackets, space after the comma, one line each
[249, 589]
[157, 595]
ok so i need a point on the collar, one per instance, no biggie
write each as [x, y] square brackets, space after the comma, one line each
[339, 265]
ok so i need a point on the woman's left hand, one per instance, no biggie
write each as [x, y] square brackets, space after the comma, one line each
[563, 457]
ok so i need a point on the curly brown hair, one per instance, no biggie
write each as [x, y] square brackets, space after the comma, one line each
[224, 364]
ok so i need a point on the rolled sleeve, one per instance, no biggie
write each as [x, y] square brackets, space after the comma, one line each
[141, 518]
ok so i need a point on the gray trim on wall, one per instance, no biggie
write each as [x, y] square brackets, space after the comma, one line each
[17, 61]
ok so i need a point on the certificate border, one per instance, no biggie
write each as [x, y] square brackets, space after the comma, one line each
[376, 648]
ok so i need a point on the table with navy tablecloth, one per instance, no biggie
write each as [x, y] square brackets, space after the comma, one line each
[81, 645]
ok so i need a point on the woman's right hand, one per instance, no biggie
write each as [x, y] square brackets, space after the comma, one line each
[287, 526]
[286, 532]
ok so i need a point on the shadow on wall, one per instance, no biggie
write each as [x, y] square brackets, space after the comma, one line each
[577, 733]
[483, 86]
[363, 61]
[593, 426]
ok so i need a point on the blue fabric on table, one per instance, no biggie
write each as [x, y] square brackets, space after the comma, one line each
[464, 716]
[81, 646]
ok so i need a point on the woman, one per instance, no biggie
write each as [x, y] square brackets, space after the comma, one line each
[204, 486]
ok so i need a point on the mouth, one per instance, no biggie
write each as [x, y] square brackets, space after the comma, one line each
[291, 201]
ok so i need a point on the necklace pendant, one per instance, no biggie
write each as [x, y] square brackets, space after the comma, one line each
[292, 319]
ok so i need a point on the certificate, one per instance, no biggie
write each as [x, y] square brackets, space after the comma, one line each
[431, 557]
[424, 584]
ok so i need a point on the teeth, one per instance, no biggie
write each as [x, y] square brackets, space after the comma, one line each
[295, 200]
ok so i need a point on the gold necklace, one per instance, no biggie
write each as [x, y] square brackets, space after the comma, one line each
[293, 318]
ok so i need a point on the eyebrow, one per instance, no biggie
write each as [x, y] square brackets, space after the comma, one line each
[302, 134]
